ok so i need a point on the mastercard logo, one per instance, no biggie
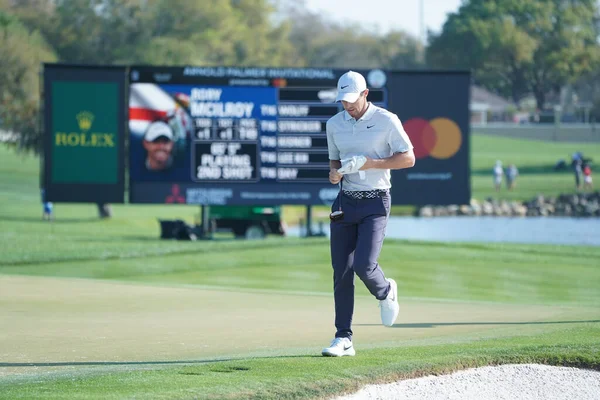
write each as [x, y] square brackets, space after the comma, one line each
[438, 138]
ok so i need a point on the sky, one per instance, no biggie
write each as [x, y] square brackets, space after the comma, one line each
[384, 15]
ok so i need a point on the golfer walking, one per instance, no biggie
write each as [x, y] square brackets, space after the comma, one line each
[365, 142]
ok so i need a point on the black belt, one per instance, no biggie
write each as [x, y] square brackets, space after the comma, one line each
[368, 194]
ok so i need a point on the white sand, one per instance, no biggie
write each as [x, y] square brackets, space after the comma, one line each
[522, 382]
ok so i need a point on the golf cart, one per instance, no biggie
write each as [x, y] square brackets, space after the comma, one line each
[247, 222]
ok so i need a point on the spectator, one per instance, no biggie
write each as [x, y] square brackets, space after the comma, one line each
[48, 208]
[577, 170]
[587, 177]
[511, 176]
[498, 172]
[577, 164]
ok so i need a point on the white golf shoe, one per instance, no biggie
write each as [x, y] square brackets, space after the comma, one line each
[339, 347]
[390, 307]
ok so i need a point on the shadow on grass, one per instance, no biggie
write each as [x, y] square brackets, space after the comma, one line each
[155, 238]
[434, 324]
[117, 254]
[173, 362]
[114, 239]
[41, 221]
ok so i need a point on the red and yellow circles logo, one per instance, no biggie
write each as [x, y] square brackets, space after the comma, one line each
[439, 138]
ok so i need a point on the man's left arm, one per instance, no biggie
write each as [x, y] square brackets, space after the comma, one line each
[396, 161]
[403, 155]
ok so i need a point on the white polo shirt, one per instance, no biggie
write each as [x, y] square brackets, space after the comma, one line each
[377, 134]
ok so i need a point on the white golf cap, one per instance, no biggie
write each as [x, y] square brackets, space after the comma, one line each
[158, 129]
[350, 86]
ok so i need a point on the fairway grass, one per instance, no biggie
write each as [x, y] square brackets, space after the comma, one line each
[233, 319]
[51, 320]
[77, 338]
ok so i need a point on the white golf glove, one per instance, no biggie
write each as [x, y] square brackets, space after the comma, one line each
[353, 165]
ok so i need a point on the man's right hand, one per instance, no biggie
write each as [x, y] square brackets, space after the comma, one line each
[334, 176]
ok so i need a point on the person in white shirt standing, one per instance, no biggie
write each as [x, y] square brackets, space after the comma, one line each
[365, 142]
[498, 172]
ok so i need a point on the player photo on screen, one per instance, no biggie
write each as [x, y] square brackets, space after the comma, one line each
[158, 142]
[190, 133]
[160, 131]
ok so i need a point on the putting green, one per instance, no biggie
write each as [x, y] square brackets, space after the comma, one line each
[51, 324]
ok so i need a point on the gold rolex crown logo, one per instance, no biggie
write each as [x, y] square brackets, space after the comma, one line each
[85, 119]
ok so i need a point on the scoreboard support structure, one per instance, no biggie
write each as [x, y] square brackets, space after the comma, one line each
[240, 136]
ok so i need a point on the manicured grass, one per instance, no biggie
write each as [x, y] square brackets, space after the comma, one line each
[310, 377]
[126, 248]
[523, 274]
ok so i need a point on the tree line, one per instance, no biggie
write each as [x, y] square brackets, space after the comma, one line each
[512, 47]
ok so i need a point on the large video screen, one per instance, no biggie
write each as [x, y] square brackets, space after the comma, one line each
[257, 136]
[233, 135]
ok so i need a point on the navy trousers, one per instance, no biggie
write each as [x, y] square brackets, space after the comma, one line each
[356, 242]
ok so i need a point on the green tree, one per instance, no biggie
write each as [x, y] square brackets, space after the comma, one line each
[22, 54]
[263, 41]
[164, 50]
[588, 94]
[86, 31]
[399, 50]
[325, 43]
[516, 47]
[216, 32]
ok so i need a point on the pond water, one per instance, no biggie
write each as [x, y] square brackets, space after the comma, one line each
[552, 230]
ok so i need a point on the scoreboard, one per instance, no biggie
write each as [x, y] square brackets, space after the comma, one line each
[239, 135]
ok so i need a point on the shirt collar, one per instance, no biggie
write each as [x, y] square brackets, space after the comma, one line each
[367, 115]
